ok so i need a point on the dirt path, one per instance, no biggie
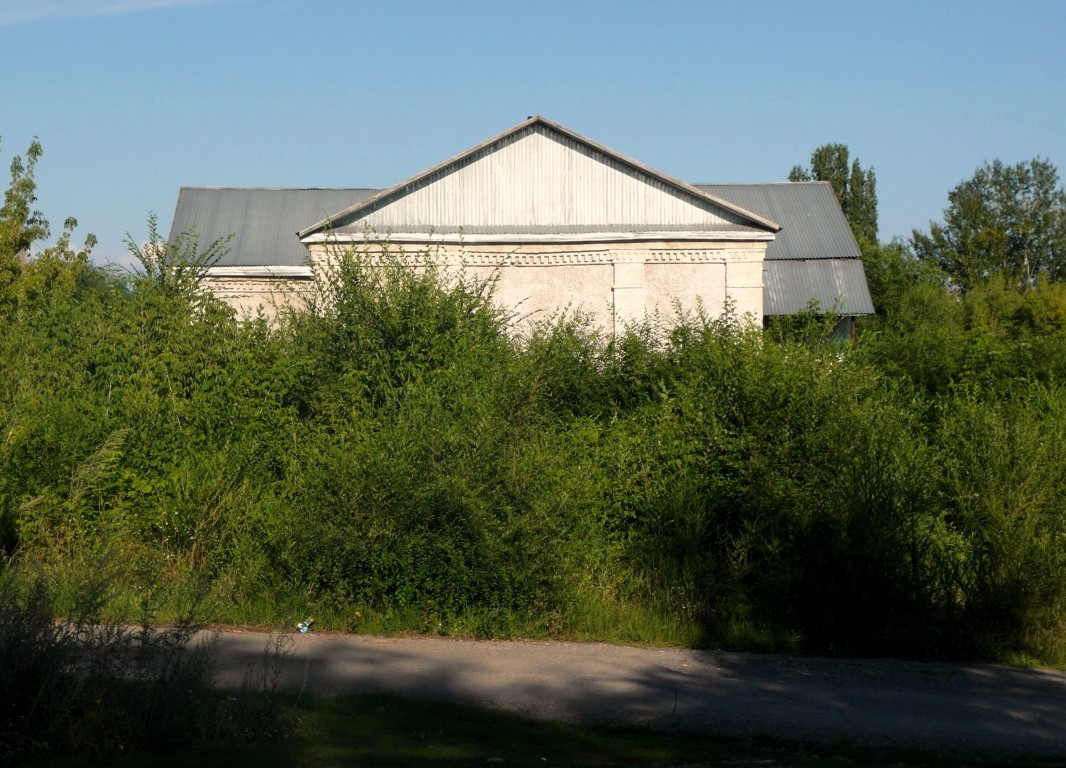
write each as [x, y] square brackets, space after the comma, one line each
[981, 708]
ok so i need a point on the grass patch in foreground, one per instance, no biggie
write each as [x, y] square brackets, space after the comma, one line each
[587, 618]
[384, 730]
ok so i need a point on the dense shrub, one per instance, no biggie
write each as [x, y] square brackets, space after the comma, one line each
[398, 449]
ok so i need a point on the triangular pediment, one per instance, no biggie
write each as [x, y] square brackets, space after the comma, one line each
[540, 178]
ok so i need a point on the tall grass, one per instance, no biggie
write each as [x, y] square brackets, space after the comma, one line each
[73, 682]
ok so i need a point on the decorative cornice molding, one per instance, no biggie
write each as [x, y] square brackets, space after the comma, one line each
[250, 286]
[457, 258]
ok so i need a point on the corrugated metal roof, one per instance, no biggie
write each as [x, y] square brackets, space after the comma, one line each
[813, 257]
[836, 284]
[262, 222]
[812, 223]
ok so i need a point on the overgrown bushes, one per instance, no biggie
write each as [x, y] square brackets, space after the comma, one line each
[399, 451]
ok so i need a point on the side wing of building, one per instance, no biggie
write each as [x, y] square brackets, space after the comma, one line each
[814, 259]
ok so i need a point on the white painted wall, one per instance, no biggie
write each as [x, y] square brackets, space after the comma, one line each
[251, 295]
[614, 283]
[542, 180]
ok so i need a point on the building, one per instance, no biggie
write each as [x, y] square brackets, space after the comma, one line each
[558, 221]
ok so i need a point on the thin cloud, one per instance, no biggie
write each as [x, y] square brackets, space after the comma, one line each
[25, 11]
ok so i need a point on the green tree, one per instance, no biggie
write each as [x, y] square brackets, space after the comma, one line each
[855, 188]
[892, 270]
[20, 224]
[1007, 220]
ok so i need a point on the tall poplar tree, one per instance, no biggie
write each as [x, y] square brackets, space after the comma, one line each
[855, 188]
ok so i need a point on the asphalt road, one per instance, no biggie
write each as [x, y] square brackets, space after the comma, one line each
[972, 708]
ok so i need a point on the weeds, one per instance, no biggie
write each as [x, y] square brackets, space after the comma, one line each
[74, 683]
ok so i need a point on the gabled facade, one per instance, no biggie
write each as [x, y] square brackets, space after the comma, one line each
[558, 220]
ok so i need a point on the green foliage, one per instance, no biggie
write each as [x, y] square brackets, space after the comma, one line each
[20, 224]
[397, 450]
[855, 188]
[892, 270]
[176, 266]
[1003, 484]
[411, 458]
[992, 336]
[1007, 221]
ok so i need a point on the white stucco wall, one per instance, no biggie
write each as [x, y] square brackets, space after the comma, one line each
[251, 295]
[614, 283]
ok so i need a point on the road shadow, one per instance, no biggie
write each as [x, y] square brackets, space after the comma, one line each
[982, 708]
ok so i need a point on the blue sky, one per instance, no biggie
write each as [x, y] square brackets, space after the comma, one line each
[132, 99]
